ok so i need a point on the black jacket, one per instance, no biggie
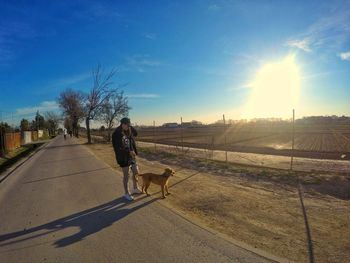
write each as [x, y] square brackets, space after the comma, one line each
[121, 150]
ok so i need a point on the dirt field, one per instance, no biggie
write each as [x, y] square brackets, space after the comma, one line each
[257, 206]
[311, 141]
[254, 159]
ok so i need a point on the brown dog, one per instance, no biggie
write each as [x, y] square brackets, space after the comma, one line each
[160, 179]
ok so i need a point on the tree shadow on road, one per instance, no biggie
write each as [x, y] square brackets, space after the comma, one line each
[89, 222]
[54, 147]
[67, 159]
[65, 175]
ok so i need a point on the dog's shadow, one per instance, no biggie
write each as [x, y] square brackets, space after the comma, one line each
[89, 222]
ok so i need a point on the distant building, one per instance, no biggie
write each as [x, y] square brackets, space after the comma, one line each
[324, 120]
[192, 124]
[170, 125]
[196, 123]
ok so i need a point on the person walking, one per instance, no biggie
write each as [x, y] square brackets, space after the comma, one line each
[124, 145]
[65, 133]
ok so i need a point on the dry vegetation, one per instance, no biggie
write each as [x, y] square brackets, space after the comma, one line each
[10, 157]
[258, 206]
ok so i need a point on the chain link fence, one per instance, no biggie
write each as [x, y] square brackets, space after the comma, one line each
[309, 145]
[317, 147]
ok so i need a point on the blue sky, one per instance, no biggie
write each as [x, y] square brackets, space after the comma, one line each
[193, 59]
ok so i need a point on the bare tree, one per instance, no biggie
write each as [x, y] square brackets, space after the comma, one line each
[97, 96]
[71, 102]
[52, 119]
[113, 109]
[68, 124]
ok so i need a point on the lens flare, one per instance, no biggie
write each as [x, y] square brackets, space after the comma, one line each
[275, 90]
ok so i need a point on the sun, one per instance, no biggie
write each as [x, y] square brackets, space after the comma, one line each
[275, 90]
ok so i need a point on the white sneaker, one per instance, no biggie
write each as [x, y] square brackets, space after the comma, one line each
[136, 191]
[128, 197]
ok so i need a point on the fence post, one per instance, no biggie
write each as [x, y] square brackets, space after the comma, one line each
[207, 150]
[224, 120]
[154, 136]
[2, 150]
[212, 147]
[182, 137]
[2, 142]
[13, 140]
[225, 150]
[292, 153]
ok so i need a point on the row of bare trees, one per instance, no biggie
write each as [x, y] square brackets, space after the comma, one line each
[102, 102]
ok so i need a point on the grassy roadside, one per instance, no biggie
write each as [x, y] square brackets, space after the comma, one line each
[13, 156]
[255, 205]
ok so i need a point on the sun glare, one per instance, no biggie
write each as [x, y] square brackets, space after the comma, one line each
[275, 90]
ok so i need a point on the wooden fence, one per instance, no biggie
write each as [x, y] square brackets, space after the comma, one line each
[12, 140]
[2, 141]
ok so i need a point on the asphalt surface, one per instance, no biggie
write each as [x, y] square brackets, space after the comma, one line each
[65, 205]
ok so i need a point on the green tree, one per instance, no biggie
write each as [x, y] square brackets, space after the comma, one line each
[39, 121]
[25, 125]
[5, 126]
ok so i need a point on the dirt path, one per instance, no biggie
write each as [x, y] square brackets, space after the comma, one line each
[263, 214]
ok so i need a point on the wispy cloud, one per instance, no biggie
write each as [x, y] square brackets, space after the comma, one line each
[43, 107]
[140, 63]
[12, 34]
[143, 96]
[143, 60]
[92, 10]
[303, 44]
[21, 25]
[315, 75]
[327, 32]
[99, 9]
[239, 88]
[344, 55]
[66, 81]
[46, 87]
[150, 36]
[213, 7]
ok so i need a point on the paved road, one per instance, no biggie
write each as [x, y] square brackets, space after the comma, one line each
[64, 205]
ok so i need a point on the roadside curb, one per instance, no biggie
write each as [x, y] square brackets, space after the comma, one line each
[20, 162]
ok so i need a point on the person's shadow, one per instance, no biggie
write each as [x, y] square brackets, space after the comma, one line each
[89, 222]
